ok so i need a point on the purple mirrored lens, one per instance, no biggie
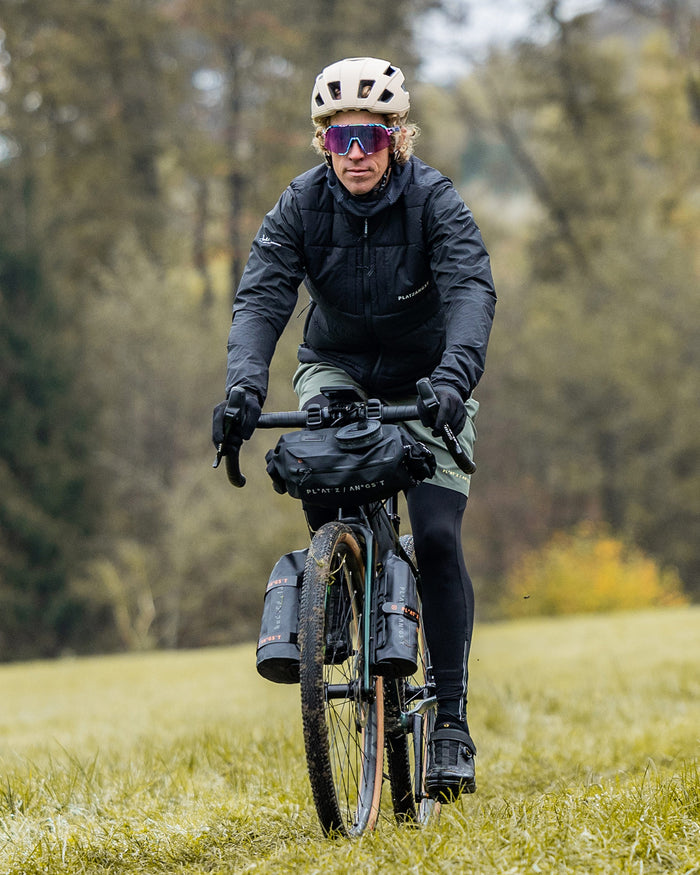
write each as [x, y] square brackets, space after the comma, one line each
[371, 138]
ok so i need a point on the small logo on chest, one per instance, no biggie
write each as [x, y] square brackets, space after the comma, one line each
[413, 294]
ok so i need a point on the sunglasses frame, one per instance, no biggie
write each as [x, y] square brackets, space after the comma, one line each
[389, 131]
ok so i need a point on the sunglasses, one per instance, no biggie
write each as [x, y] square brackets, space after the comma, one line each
[370, 138]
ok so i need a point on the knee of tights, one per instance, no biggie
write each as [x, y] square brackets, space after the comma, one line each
[436, 538]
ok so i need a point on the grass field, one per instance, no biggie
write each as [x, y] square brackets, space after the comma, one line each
[589, 762]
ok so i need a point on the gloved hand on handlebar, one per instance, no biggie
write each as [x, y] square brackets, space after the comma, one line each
[451, 412]
[229, 432]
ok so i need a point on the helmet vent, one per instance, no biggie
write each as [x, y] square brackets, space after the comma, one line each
[334, 88]
[365, 87]
[385, 96]
[390, 70]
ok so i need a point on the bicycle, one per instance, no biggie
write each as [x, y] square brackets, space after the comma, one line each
[355, 712]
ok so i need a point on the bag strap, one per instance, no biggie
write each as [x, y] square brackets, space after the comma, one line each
[394, 608]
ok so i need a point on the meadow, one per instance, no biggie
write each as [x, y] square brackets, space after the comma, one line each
[588, 731]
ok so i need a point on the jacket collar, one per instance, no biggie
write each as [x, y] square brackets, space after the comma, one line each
[365, 206]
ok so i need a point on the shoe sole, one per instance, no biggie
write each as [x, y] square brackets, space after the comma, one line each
[446, 790]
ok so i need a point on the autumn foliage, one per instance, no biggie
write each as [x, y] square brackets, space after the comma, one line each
[588, 570]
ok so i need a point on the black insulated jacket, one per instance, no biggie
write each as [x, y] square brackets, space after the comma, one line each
[400, 284]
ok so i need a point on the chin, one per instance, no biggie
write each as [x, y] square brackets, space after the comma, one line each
[357, 192]
[359, 188]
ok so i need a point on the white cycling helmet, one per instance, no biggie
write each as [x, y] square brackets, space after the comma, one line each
[359, 83]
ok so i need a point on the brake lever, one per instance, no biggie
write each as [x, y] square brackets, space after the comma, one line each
[232, 416]
[233, 470]
[430, 400]
[461, 458]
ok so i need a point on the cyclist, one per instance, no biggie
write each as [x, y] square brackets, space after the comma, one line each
[401, 288]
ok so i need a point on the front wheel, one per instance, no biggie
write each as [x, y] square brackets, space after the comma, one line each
[342, 714]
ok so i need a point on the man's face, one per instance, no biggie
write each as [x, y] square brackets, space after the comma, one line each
[359, 173]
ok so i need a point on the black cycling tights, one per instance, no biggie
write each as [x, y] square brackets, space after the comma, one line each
[447, 593]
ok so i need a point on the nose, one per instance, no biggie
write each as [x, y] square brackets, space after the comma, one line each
[355, 151]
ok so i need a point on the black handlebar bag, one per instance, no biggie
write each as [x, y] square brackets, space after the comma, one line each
[346, 466]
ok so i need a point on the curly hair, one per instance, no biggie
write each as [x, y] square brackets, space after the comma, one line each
[402, 142]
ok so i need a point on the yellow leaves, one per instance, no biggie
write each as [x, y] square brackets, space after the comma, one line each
[588, 570]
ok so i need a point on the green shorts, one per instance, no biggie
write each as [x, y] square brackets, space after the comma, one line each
[310, 378]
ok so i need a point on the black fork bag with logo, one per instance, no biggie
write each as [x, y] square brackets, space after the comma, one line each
[397, 620]
[278, 651]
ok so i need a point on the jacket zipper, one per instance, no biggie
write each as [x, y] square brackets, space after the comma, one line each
[367, 296]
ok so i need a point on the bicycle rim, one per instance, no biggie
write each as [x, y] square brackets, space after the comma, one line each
[410, 717]
[342, 720]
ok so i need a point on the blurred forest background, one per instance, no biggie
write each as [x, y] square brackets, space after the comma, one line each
[141, 142]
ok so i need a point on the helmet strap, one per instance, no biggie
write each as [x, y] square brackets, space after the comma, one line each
[381, 185]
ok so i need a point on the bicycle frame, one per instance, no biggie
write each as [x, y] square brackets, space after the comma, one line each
[377, 543]
[379, 540]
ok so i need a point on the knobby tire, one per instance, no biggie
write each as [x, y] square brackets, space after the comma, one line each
[342, 720]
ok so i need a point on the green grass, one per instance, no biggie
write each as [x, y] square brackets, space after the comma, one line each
[588, 731]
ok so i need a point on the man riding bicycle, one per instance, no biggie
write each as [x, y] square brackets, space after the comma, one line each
[401, 289]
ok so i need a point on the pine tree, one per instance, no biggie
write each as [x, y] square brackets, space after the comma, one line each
[46, 507]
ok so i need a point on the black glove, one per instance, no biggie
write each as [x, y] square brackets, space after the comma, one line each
[451, 412]
[230, 432]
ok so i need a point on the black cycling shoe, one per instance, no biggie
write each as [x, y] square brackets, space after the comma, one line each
[450, 764]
